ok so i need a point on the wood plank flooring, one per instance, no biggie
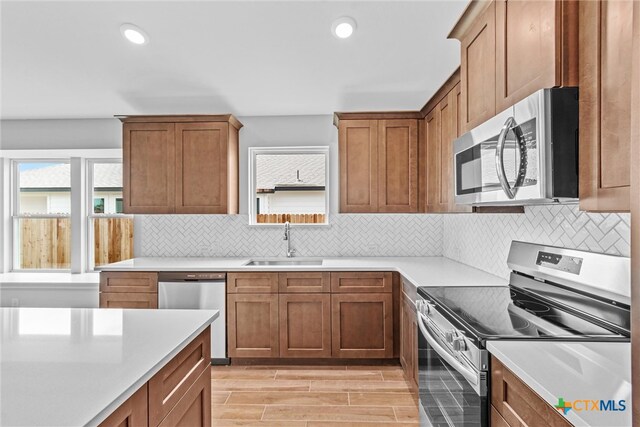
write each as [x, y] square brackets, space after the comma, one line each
[311, 396]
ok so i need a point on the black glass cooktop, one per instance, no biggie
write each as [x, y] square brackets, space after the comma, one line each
[506, 312]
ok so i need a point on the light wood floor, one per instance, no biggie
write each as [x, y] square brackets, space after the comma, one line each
[311, 396]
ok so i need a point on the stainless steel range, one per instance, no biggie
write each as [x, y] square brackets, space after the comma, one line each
[553, 294]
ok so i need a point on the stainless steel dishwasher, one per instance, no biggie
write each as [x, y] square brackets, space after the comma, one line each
[205, 291]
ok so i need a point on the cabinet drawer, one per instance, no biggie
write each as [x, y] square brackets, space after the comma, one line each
[351, 282]
[133, 412]
[116, 281]
[176, 377]
[252, 283]
[132, 300]
[517, 403]
[304, 282]
[194, 409]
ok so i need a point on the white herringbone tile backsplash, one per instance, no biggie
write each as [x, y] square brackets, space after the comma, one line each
[483, 240]
[230, 235]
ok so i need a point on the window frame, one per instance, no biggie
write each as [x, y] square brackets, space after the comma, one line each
[90, 216]
[313, 149]
[16, 216]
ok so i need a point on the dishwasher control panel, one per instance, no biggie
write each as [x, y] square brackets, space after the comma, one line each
[186, 276]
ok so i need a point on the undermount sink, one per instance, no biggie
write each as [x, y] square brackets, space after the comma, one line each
[291, 262]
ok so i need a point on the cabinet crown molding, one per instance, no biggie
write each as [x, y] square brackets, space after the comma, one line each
[474, 9]
[168, 118]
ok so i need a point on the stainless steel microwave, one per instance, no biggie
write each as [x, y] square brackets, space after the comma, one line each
[527, 154]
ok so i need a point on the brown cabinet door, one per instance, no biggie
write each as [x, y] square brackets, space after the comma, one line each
[201, 167]
[536, 47]
[304, 282]
[358, 145]
[605, 104]
[408, 341]
[477, 70]
[517, 403]
[194, 408]
[356, 281]
[133, 412]
[449, 132]
[305, 325]
[252, 325]
[252, 283]
[149, 171]
[124, 281]
[128, 300]
[173, 381]
[362, 325]
[398, 165]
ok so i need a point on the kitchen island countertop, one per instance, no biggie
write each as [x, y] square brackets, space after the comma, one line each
[75, 366]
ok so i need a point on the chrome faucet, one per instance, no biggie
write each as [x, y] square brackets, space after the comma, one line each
[287, 237]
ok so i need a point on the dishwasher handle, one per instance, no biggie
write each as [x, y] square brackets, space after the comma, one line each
[196, 276]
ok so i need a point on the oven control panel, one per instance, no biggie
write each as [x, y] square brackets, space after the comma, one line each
[558, 262]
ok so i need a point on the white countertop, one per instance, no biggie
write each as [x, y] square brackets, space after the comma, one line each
[420, 271]
[573, 371]
[73, 367]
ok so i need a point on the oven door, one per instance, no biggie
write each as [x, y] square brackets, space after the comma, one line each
[452, 393]
[499, 161]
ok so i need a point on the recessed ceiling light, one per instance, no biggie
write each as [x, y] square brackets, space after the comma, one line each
[134, 34]
[344, 27]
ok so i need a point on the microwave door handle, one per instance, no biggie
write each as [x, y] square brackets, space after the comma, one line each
[468, 374]
[502, 176]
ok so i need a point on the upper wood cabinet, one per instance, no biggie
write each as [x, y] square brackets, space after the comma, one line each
[536, 47]
[180, 164]
[378, 164]
[441, 127]
[512, 48]
[606, 34]
[478, 70]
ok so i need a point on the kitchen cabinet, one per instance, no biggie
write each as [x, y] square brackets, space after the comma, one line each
[252, 325]
[362, 325]
[605, 104]
[304, 282]
[121, 289]
[369, 282]
[305, 325]
[180, 164]
[512, 48]
[133, 412]
[536, 47]
[378, 164]
[311, 314]
[409, 341]
[252, 283]
[178, 395]
[441, 128]
[478, 69]
[515, 404]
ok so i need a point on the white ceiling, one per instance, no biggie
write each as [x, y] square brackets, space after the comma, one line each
[68, 59]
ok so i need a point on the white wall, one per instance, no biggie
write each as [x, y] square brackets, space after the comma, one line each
[60, 134]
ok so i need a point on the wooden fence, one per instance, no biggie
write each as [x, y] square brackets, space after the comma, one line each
[46, 242]
[113, 239]
[292, 218]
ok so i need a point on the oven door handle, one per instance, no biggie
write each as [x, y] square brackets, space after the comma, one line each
[502, 175]
[470, 375]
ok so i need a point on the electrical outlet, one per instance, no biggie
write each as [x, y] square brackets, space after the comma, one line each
[15, 302]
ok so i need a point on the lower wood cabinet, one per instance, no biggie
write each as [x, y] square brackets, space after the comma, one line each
[178, 395]
[305, 325]
[133, 412]
[515, 404]
[409, 341]
[362, 325]
[128, 300]
[352, 281]
[252, 325]
[128, 289]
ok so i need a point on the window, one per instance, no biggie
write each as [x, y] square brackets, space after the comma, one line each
[110, 233]
[41, 215]
[288, 184]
